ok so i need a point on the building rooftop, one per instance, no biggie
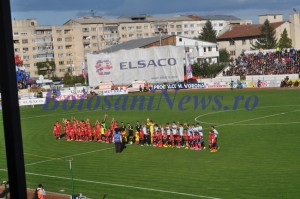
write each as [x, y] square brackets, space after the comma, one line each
[270, 14]
[251, 30]
[136, 43]
[221, 17]
[128, 19]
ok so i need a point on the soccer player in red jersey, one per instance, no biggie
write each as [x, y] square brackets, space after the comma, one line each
[154, 139]
[142, 137]
[165, 139]
[178, 140]
[159, 138]
[212, 141]
[186, 139]
[55, 131]
[58, 129]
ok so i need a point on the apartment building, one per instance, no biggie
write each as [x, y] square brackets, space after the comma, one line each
[238, 38]
[67, 44]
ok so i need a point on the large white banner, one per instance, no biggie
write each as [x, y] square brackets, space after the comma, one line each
[156, 64]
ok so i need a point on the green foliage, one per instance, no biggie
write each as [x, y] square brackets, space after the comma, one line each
[47, 67]
[71, 80]
[224, 55]
[55, 79]
[284, 41]
[208, 33]
[206, 70]
[267, 39]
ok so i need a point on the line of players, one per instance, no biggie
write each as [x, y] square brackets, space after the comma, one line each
[146, 134]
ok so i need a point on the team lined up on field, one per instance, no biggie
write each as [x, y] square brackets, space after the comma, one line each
[145, 134]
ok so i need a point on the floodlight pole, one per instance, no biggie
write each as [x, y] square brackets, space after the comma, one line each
[72, 179]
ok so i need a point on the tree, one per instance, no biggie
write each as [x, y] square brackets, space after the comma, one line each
[71, 80]
[267, 39]
[284, 41]
[208, 33]
[206, 70]
[224, 55]
[46, 68]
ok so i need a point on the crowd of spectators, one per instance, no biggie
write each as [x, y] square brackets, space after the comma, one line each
[286, 61]
[23, 78]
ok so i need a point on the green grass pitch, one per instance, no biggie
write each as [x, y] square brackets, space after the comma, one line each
[259, 154]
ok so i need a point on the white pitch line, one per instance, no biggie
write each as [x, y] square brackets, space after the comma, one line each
[273, 115]
[120, 185]
[69, 156]
[241, 109]
[283, 113]
[265, 124]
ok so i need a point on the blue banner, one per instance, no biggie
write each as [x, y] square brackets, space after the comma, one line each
[179, 85]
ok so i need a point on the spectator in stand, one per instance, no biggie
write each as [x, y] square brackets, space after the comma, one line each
[285, 61]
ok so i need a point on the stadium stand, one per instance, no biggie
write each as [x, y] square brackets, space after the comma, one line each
[23, 77]
[285, 61]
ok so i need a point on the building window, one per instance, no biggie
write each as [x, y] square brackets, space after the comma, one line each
[178, 26]
[232, 53]
[138, 27]
[62, 70]
[185, 25]
[60, 54]
[58, 31]
[60, 47]
[244, 42]
[220, 24]
[171, 26]
[25, 57]
[68, 46]
[85, 30]
[68, 39]
[93, 29]
[251, 41]
[59, 39]
[180, 39]
[231, 42]
[145, 27]
[25, 50]
[61, 63]
[186, 32]
[94, 37]
[204, 49]
[192, 25]
[209, 49]
[24, 41]
[16, 33]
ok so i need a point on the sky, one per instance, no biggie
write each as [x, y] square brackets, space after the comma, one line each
[57, 12]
